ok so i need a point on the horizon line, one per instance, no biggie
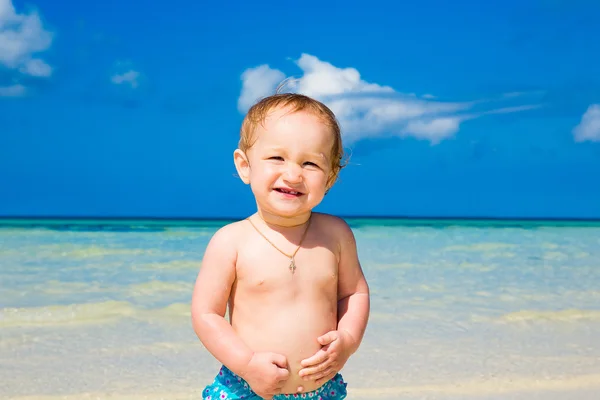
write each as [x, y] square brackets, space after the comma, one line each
[234, 218]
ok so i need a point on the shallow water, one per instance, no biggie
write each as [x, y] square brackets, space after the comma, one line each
[480, 311]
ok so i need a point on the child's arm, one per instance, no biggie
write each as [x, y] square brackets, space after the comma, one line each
[353, 314]
[353, 291]
[265, 372]
[209, 303]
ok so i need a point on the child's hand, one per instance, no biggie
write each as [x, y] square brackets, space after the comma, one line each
[266, 374]
[329, 360]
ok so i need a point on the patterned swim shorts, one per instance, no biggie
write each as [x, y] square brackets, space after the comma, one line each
[229, 386]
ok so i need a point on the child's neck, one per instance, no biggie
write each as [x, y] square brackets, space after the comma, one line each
[283, 222]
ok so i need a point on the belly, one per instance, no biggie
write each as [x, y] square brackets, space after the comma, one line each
[290, 331]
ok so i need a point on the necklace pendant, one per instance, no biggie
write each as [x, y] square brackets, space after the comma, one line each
[292, 265]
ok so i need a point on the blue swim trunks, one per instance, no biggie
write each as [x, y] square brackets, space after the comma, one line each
[229, 386]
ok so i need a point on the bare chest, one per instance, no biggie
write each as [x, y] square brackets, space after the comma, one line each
[262, 268]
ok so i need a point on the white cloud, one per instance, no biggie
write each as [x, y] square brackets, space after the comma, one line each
[507, 110]
[36, 67]
[589, 127]
[435, 129]
[12, 91]
[130, 77]
[258, 82]
[21, 37]
[364, 109]
[522, 94]
[323, 79]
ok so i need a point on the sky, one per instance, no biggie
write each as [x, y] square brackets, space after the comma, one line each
[133, 109]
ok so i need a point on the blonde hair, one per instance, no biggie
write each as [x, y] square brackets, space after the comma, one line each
[294, 102]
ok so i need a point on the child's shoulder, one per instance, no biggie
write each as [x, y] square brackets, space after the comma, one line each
[323, 218]
[229, 233]
[332, 224]
[337, 230]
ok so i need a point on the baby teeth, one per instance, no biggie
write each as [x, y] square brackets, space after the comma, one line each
[288, 191]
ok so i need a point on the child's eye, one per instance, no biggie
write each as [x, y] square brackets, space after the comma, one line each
[276, 158]
[311, 164]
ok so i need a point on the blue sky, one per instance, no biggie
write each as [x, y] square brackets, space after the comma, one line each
[133, 108]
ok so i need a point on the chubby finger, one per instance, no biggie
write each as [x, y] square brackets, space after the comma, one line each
[283, 374]
[327, 338]
[326, 378]
[316, 375]
[322, 374]
[279, 360]
[307, 373]
[319, 357]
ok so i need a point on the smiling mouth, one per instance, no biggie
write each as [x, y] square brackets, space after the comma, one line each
[288, 192]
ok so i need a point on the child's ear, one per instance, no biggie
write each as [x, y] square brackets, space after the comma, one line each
[242, 165]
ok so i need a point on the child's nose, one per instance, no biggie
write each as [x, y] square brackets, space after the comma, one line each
[293, 172]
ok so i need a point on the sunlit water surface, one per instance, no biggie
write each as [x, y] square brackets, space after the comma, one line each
[459, 311]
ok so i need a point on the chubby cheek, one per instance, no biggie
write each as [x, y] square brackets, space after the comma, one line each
[263, 179]
[318, 186]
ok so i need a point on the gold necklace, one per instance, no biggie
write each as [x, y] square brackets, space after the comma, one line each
[292, 266]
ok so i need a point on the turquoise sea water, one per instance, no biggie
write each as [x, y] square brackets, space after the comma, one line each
[460, 309]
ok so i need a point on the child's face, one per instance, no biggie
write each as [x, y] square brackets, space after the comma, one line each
[289, 163]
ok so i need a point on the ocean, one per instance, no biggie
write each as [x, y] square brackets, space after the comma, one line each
[461, 309]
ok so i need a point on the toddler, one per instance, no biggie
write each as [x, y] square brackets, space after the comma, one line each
[298, 300]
